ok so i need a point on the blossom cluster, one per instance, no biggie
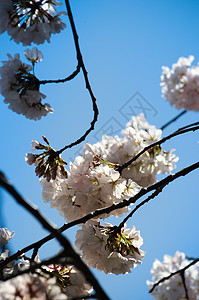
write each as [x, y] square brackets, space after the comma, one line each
[180, 85]
[94, 181]
[173, 288]
[30, 21]
[105, 249]
[53, 282]
[20, 87]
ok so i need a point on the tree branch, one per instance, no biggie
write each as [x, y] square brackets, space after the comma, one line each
[156, 186]
[184, 284]
[152, 196]
[70, 77]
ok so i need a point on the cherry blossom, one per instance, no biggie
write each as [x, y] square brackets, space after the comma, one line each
[33, 55]
[20, 89]
[5, 236]
[109, 251]
[71, 281]
[93, 179]
[180, 85]
[31, 286]
[173, 287]
[30, 21]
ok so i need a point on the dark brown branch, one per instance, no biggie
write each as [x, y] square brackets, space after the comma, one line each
[156, 186]
[88, 86]
[69, 251]
[172, 274]
[184, 284]
[152, 196]
[84, 297]
[188, 128]
[173, 120]
[70, 77]
[57, 259]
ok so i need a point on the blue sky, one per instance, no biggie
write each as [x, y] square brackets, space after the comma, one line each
[124, 47]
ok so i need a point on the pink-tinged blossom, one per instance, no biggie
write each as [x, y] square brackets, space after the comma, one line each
[30, 21]
[87, 188]
[48, 162]
[109, 251]
[20, 89]
[173, 287]
[180, 84]
[93, 179]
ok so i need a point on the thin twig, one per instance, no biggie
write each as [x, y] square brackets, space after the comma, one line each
[70, 77]
[173, 120]
[88, 86]
[33, 266]
[152, 196]
[69, 251]
[172, 274]
[156, 186]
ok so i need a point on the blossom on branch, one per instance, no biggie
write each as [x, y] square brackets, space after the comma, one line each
[5, 236]
[87, 188]
[54, 281]
[34, 55]
[180, 85]
[107, 250]
[30, 21]
[49, 163]
[70, 280]
[21, 89]
[93, 179]
[173, 288]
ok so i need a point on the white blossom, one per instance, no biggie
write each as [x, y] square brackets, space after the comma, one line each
[180, 85]
[34, 55]
[29, 286]
[5, 236]
[86, 189]
[107, 251]
[71, 281]
[173, 287]
[30, 21]
[20, 89]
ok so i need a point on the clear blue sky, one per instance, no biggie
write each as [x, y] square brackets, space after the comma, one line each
[124, 44]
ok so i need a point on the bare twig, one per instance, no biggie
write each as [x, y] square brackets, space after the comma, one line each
[70, 77]
[57, 259]
[69, 251]
[152, 196]
[173, 274]
[173, 120]
[88, 86]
